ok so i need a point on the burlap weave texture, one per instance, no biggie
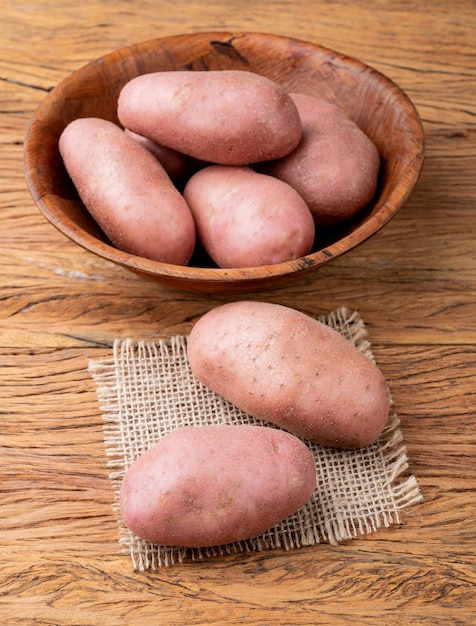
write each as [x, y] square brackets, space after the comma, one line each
[146, 389]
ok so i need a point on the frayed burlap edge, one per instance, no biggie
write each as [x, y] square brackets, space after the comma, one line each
[146, 389]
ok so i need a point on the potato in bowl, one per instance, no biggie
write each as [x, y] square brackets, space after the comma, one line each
[371, 100]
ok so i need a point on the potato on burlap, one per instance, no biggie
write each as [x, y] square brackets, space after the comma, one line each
[280, 365]
[210, 485]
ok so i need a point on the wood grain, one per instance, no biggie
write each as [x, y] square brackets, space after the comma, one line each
[414, 284]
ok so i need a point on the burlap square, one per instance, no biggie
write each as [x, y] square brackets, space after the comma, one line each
[146, 389]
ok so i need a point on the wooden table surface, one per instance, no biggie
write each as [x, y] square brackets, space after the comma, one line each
[414, 283]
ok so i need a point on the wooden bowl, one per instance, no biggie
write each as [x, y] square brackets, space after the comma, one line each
[373, 101]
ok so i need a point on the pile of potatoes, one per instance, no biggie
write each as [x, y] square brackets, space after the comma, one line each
[231, 160]
[211, 485]
[228, 159]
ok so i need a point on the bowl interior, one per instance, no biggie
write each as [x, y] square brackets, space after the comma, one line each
[373, 101]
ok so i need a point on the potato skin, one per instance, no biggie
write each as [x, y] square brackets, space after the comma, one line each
[177, 165]
[211, 485]
[280, 365]
[335, 166]
[230, 117]
[127, 191]
[246, 219]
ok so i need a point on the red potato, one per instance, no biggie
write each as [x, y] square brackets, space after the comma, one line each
[212, 485]
[177, 165]
[230, 117]
[127, 191]
[246, 219]
[335, 166]
[280, 365]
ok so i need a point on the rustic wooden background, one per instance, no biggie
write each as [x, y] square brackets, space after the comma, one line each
[414, 284]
